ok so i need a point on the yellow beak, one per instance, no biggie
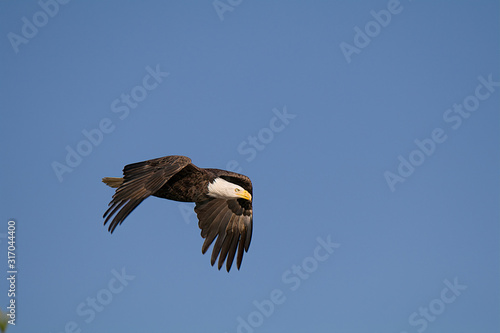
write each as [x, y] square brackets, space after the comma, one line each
[245, 195]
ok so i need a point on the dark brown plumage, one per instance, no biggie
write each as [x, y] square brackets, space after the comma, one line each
[223, 201]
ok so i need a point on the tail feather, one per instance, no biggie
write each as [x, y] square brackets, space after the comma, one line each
[112, 181]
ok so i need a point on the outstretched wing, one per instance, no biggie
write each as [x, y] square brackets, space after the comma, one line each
[140, 180]
[231, 222]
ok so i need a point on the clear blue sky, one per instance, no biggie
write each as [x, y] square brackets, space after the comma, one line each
[369, 130]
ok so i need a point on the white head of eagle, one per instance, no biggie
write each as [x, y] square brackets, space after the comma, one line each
[223, 189]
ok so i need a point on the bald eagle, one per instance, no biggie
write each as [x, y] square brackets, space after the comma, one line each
[223, 201]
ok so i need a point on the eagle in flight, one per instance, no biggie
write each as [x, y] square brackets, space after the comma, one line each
[223, 201]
